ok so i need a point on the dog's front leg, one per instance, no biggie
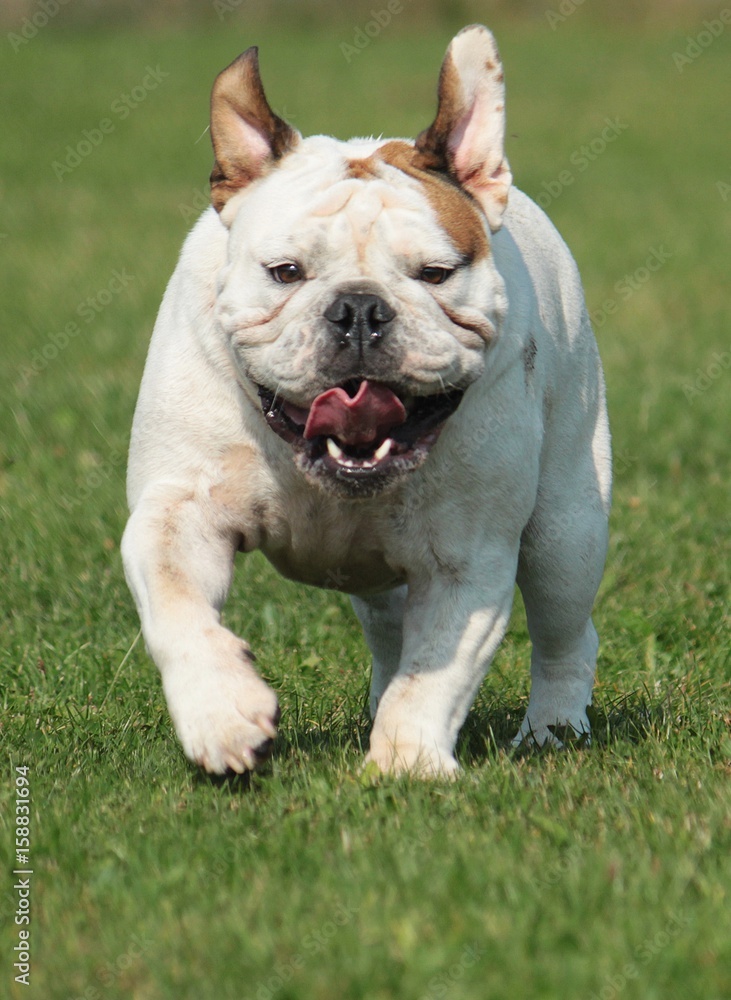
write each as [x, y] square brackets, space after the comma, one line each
[452, 626]
[179, 562]
[382, 618]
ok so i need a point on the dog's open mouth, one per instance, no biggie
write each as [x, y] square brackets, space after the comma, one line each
[361, 432]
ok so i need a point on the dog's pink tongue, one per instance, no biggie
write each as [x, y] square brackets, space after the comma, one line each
[359, 420]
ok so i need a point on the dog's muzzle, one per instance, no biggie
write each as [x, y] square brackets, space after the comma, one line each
[361, 434]
[359, 319]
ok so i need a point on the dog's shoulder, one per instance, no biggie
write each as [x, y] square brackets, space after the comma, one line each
[542, 248]
[534, 259]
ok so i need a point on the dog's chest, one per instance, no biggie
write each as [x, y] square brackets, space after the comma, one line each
[351, 570]
[314, 546]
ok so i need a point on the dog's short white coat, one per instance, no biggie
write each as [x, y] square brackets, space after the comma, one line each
[516, 487]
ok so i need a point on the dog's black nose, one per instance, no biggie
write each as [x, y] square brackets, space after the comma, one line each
[360, 318]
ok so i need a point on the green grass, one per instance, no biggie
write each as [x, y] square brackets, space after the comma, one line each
[602, 872]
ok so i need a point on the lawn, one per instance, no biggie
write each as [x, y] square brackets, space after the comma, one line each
[596, 873]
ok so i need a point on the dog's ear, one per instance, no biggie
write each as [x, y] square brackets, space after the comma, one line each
[466, 139]
[247, 135]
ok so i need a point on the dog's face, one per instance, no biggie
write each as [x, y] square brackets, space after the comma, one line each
[360, 296]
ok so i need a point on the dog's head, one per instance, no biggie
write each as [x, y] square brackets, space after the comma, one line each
[360, 297]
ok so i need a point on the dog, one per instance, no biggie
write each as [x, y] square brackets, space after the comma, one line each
[374, 363]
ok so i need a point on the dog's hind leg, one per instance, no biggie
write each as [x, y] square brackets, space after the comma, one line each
[559, 571]
[381, 616]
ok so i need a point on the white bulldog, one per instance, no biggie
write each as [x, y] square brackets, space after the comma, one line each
[374, 363]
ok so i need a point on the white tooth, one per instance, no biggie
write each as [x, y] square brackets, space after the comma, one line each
[334, 451]
[384, 450]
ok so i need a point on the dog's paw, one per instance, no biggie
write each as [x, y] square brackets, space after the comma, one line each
[535, 735]
[225, 717]
[417, 759]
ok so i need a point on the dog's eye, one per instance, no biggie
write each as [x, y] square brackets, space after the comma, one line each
[434, 275]
[286, 274]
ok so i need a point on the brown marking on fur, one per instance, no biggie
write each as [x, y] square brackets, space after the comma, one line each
[239, 498]
[363, 169]
[173, 583]
[169, 527]
[456, 210]
[235, 489]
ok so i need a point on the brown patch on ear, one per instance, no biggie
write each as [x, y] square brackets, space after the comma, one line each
[433, 142]
[247, 135]
[466, 139]
[455, 208]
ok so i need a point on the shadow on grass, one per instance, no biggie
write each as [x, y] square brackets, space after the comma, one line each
[681, 713]
[490, 728]
[338, 735]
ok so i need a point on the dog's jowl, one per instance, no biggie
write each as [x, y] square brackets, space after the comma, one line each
[374, 363]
